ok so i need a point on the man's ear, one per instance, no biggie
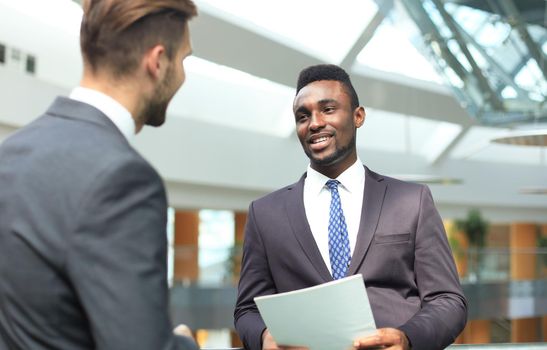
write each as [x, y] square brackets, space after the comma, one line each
[359, 116]
[155, 61]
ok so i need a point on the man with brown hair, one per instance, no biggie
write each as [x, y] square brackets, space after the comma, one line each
[82, 214]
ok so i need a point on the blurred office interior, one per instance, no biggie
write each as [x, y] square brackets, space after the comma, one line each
[455, 94]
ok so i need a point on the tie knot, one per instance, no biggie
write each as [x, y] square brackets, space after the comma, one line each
[333, 185]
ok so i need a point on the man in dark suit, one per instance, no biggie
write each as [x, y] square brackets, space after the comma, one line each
[82, 215]
[342, 219]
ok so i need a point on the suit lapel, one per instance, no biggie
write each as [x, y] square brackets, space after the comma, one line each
[373, 199]
[296, 213]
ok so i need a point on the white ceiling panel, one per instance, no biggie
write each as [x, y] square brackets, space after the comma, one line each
[321, 28]
[393, 132]
[226, 96]
[476, 145]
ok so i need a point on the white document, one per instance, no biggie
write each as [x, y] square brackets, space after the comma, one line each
[329, 316]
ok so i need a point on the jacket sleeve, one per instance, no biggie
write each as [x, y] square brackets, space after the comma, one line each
[117, 259]
[444, 309]
[255, 280]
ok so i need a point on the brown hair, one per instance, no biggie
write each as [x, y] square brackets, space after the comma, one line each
[115, 34]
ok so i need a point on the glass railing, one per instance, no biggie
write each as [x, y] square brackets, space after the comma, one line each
[206, 267]
[214, 267]
[508, 346]
[209, 285]
[501, 264]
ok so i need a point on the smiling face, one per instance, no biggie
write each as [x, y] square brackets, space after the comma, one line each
[326, 126]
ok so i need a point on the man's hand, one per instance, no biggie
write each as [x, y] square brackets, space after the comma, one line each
[268, 343]
[385, 338]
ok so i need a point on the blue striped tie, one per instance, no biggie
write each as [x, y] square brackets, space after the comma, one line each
[339, 251]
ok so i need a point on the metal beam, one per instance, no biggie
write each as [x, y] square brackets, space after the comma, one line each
[515, 20]
[484, 85]
[506, 77]
[432, 34]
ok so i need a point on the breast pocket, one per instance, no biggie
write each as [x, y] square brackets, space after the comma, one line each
[380, 238]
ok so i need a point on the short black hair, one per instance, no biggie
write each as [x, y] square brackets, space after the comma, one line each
[327, 72]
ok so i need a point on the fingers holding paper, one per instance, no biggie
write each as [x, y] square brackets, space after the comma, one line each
[384, 338]
[183, 330]
[268, 343]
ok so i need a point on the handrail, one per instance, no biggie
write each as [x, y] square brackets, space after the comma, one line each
[504, 346]
[501, 346]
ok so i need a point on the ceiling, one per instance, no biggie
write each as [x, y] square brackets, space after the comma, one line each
[238, 96]
[492, 53]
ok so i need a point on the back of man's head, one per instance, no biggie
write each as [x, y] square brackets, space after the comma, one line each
[115, 34]
[327, 72]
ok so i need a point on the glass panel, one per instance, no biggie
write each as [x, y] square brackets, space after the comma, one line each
[377, 55]
[493, 264]
[170, 246]
[216, 240]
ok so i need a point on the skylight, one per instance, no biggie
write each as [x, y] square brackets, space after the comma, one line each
[321, 28]
[388, 46]
[487, 29]
[531, 78]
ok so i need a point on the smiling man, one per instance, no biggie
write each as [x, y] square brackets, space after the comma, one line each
[342, 219]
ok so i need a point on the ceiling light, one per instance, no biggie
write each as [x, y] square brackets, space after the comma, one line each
[428, 179]
[533, 190]
[534, 137]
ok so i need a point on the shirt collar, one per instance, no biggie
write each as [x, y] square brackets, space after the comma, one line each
[115, 111]
[352, 179]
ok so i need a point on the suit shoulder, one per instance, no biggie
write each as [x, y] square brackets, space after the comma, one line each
[398, 184]
[274, 197]
[82, 151]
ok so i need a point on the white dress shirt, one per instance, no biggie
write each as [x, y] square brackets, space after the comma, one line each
[317, 199]
[115, 111]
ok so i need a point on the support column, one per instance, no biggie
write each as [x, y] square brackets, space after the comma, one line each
[186, 246]
[459, 245]
[236, 341]
[475, 332]
[523, 239]
[542, 273]
[525, 330]
[544, 328]
[240, 219]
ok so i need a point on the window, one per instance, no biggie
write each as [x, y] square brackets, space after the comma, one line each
[30, 66]
[2, 53]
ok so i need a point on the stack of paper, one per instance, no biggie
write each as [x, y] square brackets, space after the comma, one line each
[328, 316]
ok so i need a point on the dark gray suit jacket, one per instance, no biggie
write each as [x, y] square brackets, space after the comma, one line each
[401, 251]
[82, 238]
